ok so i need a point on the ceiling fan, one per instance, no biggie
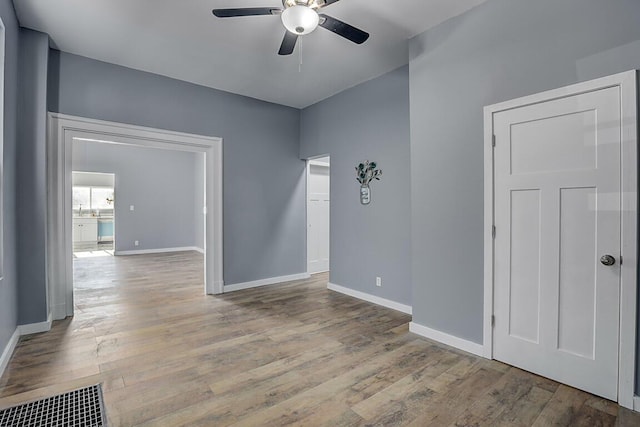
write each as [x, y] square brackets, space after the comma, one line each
[299, 17]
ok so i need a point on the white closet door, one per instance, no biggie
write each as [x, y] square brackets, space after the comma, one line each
[557, 212]
[318, 207]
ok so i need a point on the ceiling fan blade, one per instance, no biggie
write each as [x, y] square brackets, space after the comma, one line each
[343, 29]
[246, 11]
[328, 2]
[288, 43]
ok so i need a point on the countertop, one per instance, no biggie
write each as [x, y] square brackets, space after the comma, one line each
[93, 217]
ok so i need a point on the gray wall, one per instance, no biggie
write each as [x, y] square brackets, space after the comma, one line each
[501, 50]
[31, 177]
[9, 284]
[160, 185]
[264, 212]
[367, 122]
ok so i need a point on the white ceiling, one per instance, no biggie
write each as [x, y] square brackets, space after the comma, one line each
[183, 40]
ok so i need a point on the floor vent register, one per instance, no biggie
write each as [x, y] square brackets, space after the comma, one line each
[78, 408]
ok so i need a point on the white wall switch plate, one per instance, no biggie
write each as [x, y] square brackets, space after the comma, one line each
[379, 281]
[132, 208]
[136, 243]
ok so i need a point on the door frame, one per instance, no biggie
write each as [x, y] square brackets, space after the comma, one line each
[626, 82]
[312, 161]
[62, 130]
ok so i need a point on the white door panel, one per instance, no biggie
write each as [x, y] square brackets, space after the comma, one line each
[557, 210]
[524, 295]
[577, 281]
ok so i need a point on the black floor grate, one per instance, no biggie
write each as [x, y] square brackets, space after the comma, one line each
[77, 408]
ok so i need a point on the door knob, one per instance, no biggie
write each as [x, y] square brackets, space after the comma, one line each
[607, 260]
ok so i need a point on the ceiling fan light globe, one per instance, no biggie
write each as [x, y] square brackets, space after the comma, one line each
[300, 19]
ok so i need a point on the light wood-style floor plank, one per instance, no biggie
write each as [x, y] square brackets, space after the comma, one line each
[288, 354]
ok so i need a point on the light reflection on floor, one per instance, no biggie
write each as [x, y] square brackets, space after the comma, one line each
[93, 254]
[92, 249]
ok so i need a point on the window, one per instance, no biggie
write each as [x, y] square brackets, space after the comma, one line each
[81, 198]
[102, 198]
[91, 199]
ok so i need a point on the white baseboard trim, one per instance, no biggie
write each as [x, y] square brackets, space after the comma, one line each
[8, 351]
[31, 328]
[444, 338]
[636, 403]
[371, 298]
[265, 282]
[159, 251]
[35, 328]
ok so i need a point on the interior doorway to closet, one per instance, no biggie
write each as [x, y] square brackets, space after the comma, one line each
[318, 209]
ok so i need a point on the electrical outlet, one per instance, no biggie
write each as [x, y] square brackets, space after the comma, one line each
[132, 208]
[378, 281]
[136, 243]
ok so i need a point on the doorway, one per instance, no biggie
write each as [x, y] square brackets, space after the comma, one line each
[63, 131]
[561, 215]
[93, 210]
[318, 213]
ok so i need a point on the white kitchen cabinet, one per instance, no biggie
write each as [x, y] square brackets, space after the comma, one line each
[85, 230]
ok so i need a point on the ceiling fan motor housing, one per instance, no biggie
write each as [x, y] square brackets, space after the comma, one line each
[300, 18]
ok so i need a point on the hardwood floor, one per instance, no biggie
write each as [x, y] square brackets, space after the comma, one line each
[290, 354]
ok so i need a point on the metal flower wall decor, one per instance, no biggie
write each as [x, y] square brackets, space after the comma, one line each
[365, 173]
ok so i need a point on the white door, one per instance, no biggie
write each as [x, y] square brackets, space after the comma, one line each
[318, 203]
[557, 212]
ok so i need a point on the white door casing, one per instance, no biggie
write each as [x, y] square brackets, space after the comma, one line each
[63, 129]
[318, 209]
[560, 195]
